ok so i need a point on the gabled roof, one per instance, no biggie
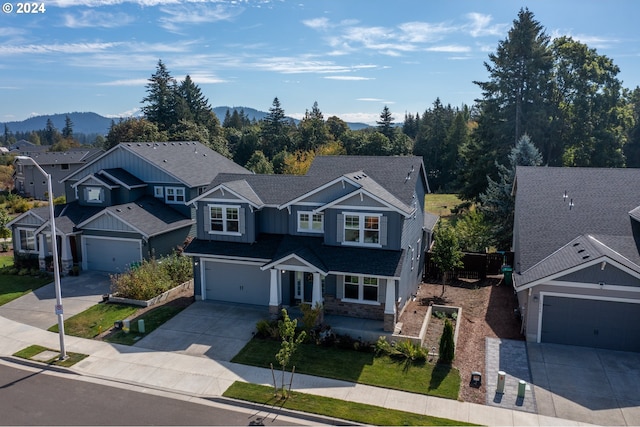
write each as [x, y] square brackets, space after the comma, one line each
[47, 158]
[603, 204]
[68, 216]
[147, 216]
[191, 163]
[96, 179]
[390, 180]
[581, 252]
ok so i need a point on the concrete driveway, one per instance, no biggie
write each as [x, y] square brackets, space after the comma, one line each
[207, 329]
[585, 384]
[37, 308]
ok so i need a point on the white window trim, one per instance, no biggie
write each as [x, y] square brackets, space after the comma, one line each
[158, 191]
[177, 192]
[86, 194]
[310, 229]
[224, 220]
[361, 222]
[19, 241]
[360, 299]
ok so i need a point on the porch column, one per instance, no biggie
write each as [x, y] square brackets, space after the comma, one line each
[390, 306]
[42, 251]
[66, 258]
[316, 293]
[274, 303]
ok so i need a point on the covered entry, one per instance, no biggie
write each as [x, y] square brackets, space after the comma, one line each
[612, 324]
[232, 282]
[110, 254]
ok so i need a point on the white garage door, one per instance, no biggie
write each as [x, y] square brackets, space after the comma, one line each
[107, 254]
[245, 284]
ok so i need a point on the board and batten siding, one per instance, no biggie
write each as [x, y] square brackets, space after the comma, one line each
[273, 221]
[246, 226]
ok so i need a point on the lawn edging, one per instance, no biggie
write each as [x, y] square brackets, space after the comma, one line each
[155, 300]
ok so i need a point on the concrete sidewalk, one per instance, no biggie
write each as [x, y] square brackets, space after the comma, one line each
[206, 378]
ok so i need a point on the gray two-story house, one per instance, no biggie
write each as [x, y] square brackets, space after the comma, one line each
[126, 205]
[28, 181]
[350, 235]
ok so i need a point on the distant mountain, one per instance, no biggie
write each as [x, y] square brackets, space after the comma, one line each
[92, 123]
[87, 123]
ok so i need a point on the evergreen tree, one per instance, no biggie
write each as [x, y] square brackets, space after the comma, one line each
[497, 203]
[515, 101]
[67, 131]
[133, 130]
[632, 147]
[258, 163]
[312, 130]
[51, 134]
[446, 352]
[161, 99]
[275, 131]
[385, 124]
[337, 127]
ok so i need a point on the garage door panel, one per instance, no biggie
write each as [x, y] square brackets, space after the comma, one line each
[110, 254]
[239, 283]
[613, 325]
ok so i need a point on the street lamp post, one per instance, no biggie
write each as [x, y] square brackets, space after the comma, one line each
[54, 246]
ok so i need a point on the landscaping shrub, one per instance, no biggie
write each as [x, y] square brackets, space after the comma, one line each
[268, 329]
[447, 345]
[151, 278]
[411, 351]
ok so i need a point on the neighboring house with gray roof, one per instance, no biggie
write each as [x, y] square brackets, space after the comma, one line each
[576, 255]
[28, 181]
[350, 235]
[126, 205]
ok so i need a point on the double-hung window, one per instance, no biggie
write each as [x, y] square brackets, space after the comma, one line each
[27, 240]
[361, 288]
[362, 229]
[224, 219]
[308, 222]
[174, 195]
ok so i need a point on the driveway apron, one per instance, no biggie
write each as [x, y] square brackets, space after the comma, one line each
[207, 328]
[37, 308]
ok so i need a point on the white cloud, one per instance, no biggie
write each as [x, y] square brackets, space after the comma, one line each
[317, 23]
[370, 99]
[92, 18]
[126, 82]
[179, 16]
[480, 26]
[449, 49]
[66, 48]
[351, 78]
[424, 32]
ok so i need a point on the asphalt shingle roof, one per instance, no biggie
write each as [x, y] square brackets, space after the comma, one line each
[273, 247]
[189, 161]
[546, 224]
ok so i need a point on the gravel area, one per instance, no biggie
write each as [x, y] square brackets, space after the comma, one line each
[487, 311]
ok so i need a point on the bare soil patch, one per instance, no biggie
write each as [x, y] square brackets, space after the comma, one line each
[487, 311]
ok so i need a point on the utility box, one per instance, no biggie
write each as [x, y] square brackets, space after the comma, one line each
[141, 326]
[501, 379]
[476, 379]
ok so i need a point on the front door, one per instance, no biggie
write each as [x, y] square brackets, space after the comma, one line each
[302, 287]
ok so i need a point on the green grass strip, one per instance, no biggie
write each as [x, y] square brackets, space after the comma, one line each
[152, 320]
[95, 319]
[358, 366]
[33, 350]
[327, 406]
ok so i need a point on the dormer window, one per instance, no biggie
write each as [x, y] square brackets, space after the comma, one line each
[94, 194]
[308, 222]
[174, 195]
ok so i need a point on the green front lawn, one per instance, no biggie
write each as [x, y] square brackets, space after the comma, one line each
[31, 351]
[13, 286]
[95, 319]
[6, 260]
[356, 366]
[358, 412]
[101, 317]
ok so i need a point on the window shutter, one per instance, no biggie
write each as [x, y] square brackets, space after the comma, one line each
[207, 218]
[382, 290]
[339, 287]
[383, 230]
[241, 215]
[340, 228]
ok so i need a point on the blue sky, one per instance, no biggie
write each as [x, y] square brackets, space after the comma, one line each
[351, 56]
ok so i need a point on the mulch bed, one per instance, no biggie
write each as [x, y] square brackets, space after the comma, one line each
[487, 311]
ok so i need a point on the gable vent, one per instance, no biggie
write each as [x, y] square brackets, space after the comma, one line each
[118, 210]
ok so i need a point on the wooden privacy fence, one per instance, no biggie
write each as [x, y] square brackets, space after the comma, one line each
[477, 265]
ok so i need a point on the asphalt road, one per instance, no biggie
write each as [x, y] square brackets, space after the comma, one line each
[29, 397]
